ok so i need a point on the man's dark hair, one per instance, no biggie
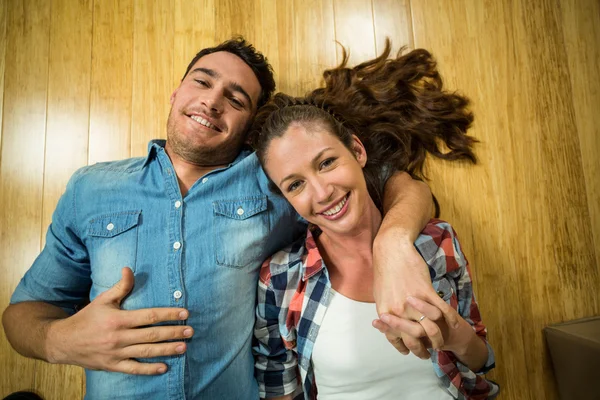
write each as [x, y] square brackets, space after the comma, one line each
[259, 64]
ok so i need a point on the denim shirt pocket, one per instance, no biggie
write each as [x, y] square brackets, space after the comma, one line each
[112, 245]
[241, 229]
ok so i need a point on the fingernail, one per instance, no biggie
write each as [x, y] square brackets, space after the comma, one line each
[385, 318]
[187, 332]
[456, 325]
[183, 315]
[161, 370]
[410, 299]
[180, 348]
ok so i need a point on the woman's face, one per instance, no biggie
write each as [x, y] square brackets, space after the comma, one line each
[320, 177]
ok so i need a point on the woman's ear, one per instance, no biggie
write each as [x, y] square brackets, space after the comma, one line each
[359, 151]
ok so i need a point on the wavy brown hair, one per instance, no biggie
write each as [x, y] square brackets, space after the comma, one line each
[396, 106]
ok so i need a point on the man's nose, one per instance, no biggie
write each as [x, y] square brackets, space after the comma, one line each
[213, 102]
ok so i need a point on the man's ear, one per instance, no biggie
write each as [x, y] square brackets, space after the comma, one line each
[172, 99]
[359, 151]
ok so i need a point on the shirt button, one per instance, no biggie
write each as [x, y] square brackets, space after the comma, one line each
[240, 211]
[177, 294]
[176, 245]
[204, 180]
[177, 204]
[110, 226]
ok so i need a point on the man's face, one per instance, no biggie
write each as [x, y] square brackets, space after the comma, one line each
[211, 110]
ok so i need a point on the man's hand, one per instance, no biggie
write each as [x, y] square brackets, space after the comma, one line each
[103, 337]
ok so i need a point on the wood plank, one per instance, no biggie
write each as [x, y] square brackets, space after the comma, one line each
[315, 41]
[3, 11]
[275, 40]
[22, 166]
[111, 81]
[233, 18]
[194, 30]
[152, 72]
[392, 18]
[67, 124]
[354, 29]
[526, 201]
[581, 30]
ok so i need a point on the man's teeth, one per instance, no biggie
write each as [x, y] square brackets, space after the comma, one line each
[336, 209]
[204, 122]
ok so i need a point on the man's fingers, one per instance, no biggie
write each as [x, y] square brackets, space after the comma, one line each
[119, 291]
[397, 342]
[155, 350]
[398, 326]
[133, 367]
[433, 332]
[430, 311]
[152, 316]
[156, 334]
[448, 312]
[416, 346]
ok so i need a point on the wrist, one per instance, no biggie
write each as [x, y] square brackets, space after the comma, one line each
[463, 347]
[51, 336]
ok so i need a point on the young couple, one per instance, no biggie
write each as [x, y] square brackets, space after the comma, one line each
[194, 219]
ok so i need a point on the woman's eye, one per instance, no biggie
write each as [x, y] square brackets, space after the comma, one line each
[294, 186]
[326, 163]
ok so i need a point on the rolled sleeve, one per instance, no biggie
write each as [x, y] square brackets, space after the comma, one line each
[60, 275]
[275, 365]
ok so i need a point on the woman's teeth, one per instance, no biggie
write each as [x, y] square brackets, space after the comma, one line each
[337, 208]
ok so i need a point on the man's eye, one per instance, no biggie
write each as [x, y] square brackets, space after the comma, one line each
[201, 82]
[294, 186]
[326, 163]
[237, 103]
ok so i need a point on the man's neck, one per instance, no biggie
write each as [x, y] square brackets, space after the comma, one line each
[188, 173]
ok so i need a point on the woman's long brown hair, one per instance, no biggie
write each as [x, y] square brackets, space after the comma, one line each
[397, 107]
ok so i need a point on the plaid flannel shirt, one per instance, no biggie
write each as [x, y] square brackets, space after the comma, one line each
[293, 295]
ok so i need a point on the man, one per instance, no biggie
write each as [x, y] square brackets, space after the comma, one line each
[193, 222]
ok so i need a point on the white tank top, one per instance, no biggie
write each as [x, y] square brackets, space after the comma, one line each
[354, 361]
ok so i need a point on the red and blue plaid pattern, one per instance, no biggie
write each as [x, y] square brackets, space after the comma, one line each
[294, 292]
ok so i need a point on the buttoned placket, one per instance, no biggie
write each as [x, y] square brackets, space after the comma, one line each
[176, 285]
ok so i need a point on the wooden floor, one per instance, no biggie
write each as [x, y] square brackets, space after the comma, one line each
[83, 81]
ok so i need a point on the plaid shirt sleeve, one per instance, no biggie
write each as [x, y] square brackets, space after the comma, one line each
[275, 365]
[439, 246]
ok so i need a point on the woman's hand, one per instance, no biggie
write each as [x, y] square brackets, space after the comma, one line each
[431, 328]
[433, 331]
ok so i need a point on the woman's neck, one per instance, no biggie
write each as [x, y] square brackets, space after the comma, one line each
[349, 257]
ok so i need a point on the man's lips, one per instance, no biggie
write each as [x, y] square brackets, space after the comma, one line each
[205, 122]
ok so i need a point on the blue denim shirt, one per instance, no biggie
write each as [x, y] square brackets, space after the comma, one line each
[202, 252]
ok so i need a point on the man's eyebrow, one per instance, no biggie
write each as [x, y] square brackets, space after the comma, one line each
[314, 161]
[234, 87]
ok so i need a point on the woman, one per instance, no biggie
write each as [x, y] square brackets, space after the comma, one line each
[325, 154]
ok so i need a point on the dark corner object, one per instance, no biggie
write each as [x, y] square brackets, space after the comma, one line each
[23, 396]
[575, 352]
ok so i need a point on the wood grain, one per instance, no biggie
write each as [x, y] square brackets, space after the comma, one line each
[111, 81]
[22, 167]
[152, 72]
[392, 18]
[354, 29]
[67, 124]
[83, 81]
[315, 41]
